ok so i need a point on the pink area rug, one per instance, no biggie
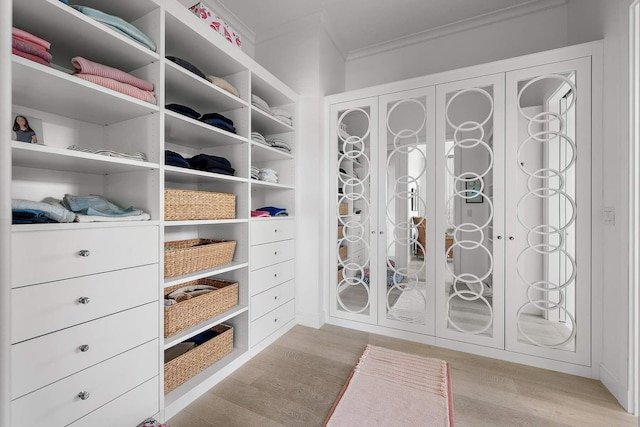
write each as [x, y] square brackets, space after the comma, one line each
[390, 388]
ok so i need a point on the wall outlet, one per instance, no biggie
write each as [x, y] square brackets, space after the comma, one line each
[609, 215]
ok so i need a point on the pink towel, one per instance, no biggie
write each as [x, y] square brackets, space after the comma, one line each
[84, 66]
[119, 87]
[28, 48]
[259, 214]
[30, 37]
[29, 56]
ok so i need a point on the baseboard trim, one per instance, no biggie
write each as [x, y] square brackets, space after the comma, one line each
[311, 320]
[612, 383]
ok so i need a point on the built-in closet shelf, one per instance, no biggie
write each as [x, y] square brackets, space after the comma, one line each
[19, 228]
[72, 33]
[188, 132]
[184, 87]
[232, 266]
[178, 338]
[271, 91]
[204, 222]
[272, 218]
[61, 159]
[185, 176]
[183, 390]
[263, 153]
[266, 124]
[188, 37]
[44, 88]
[270, 185]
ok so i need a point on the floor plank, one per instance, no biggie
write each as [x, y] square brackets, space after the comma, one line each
[295, 381]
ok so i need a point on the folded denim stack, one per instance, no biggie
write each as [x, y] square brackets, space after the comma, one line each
[171, 158]
[261, 104]
[213, 164]
[283, 115]
[219, 121]
[279, 143]
[273, 211]
[119, 25]
[255, 172]
[95, 208]
[184, 110]
[138, 155]
[32, 212]
[187, 66]
[113, 79]
[30, 47]
[268, 175]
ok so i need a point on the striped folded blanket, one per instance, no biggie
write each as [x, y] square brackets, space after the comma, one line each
[84, 66]
[118, 24]
[123, 88]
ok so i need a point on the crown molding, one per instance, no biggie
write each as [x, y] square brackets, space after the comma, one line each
[457, 27]
[304, 22]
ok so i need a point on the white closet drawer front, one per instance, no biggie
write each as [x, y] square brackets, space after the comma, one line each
[68, 302]
[267, 231]
[271, 253]
[67, 400]
[268, 277]
[130, 409]
[268, 300]
[271, 322]
[41, 361]
[61, 254]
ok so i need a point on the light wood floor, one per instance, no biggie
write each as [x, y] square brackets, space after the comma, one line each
[295, 381]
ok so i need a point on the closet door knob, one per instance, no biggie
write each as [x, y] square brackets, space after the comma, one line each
[511, 238]
[84, 395]
[499, 237]
[84, 253]
[84, 348]
[275, 320]
[84, 300]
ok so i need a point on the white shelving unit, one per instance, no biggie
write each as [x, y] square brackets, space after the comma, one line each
[76, 112]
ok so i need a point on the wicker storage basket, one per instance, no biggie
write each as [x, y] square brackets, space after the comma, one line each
[342, 253]
[182, 368]
[343, 209]
[340, 276]
[188, 313]
[340, 232]
[194, 205]
[187, 256]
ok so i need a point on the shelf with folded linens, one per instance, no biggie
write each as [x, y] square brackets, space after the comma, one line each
[185, 176]
[262, 153]
[188, 132]
[73, 33]
[271, 185]
[266, 123]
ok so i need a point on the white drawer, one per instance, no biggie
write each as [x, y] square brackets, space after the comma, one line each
[267, 231]
[271, 253]
[128, 410]
[62, 254]
[268, 277]
[57, 305]
[42, 361]
[59, 404]
[271, 322]
[268, 300]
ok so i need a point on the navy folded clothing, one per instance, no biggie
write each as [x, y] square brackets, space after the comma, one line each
[212, 164]
[274, 211]
[220, 124]
[203, 337]
[29, 216]
[171, 158]
[187, 65]
[184, 110]
[208, 116]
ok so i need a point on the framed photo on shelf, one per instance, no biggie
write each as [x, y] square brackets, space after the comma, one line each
[474, 187]
[27, 129]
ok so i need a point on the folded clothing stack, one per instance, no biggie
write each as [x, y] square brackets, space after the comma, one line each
[283, 115]
[185, 346]
[30, 47]
[257, 137]
[261, 104]
[203, 162]
[113, 79]
[259, 214]
[186, 293]
[119, 25]
[268, 175]
[213, 119]
[273, 211]
[255, 172]
[218, 81]
[138, 155]
[32, 212]
[279, 143]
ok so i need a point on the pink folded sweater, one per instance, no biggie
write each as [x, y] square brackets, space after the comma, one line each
[30, 57]
[30, 49]
[85, 66]
[23, 35]
[124, 88]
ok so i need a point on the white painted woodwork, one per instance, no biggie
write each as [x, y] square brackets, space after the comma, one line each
[267, 277]
[271, 253]
[271, 322]
[270, 299]
[271, 231]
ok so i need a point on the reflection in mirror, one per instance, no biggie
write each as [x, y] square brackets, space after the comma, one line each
[353, 246]
[469, 210]
[546, 211]
[405, 283]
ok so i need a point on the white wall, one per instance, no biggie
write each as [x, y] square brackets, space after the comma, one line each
[609, 19]
[531, 33]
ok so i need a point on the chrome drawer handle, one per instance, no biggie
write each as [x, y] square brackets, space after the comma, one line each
[84, 348]
[84, 300]
[84, 395]
[84, 253]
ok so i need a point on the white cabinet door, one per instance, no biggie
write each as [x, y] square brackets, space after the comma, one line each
[548, 245]
[470, 210]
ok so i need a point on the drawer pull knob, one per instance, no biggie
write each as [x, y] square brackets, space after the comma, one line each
[275, 253]
[275, 297]
[84, 395]
[84, 253]
[275, 320]
[84, 348]
[84, 300]
[275, 230]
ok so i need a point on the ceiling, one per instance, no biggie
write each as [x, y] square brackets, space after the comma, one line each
[360, 24]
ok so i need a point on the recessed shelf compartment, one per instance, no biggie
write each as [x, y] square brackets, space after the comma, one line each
[204, 222]
[44, 88]
[262, 153]
[188, 132]
[266, 124]
[232, 266]
[270, 185]
[188, 176]
[195, 330]
[53, 158]
[72, 33]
